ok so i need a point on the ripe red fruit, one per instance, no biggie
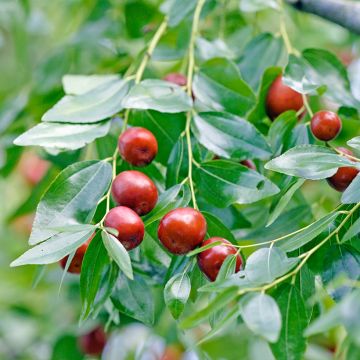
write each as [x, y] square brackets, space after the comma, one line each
[181, 230]
[33, 168]
[128, 224]
[138, 146]
[135, 190]
[176, 78]
[325, 125]
[344, 176]
[76, 262]
[93, 343]
[249, 164]
[281, 98]
[210, 260]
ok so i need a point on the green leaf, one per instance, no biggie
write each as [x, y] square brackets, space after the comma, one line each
[176, 293]
[94, 263]
[352, 195]
[118, 253]
[257, 5]
[229, 136]
[291, 344]
[71, 199]
[223, 183]
[309, 162]
[179, 10]
[218, 85]
[215, 227]
[159, 95]
[284, 201]
[168, 201]
[62, 137]
[207, 50]
[280, 131]
[178, 163]
[266, 264]
[340, 260]
[260, 53]
[166, 128]
[55, 248]
[352, 231]
[203, 248]
[354, 143]
[319, 68]
[134, 299]
[261, 315]
[219, 302]
[95, 105]
[81, 84]
[308, 233]
[344, 313]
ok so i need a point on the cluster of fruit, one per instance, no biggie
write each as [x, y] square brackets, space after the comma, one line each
[325, 126]
[183, 229]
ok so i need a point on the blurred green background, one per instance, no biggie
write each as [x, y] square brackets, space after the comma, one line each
[42, 40]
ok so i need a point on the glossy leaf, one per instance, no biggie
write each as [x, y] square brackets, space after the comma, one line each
[319, 68]
[81, 84]
[118, 253]
[291, 344]
[215, 227]
[261, 315]
[95, 105]
[260, 53]
[284, 201]
[299, 161]
[62, 136]
[352, 195]
[352, 231]
[159, 95]
[71, 199]
[94, 263]
[178, 10]
[168, 200]
[266, 264]
[176, 293]
[308, 233]
[223, 183]
[134, 299]
[55, 248]
[229, 136]
[218, 85]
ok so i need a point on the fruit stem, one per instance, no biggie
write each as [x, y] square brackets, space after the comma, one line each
[150, 50]
[190, 73]
[307, 105]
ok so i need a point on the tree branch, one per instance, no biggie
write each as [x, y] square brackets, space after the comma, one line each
[345, 13]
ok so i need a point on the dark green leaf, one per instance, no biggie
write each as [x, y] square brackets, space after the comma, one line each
[352, 231]
[94, 263]
[223, 183]
[308, 233]
[134, 299]
[230, 136]
[291, 344]
[219, 85]
[263, 51]
[118, 253]
[71, 199]
[215, 227]
[176, 293]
